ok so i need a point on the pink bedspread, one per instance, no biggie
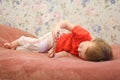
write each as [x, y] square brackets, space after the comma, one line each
[21, 65]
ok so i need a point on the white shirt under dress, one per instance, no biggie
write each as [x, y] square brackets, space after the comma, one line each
[42, 44]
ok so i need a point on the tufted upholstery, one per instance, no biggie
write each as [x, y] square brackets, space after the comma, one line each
[21, 65]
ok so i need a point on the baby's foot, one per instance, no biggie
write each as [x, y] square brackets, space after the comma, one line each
[7, 45]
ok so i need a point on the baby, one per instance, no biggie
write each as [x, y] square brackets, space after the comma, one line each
[77, 42]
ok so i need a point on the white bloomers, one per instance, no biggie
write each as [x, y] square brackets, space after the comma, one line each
[42, 44]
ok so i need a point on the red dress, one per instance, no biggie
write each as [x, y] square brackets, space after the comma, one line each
[70, 42]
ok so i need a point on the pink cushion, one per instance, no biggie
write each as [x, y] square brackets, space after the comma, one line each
[21, 65]
[8, 34]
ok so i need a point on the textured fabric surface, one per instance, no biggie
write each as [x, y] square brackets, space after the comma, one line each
[23, 65]
[8, 34]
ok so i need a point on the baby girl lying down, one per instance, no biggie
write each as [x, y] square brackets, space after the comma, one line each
[78, 43]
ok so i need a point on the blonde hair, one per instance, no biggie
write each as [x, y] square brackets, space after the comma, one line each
[101, 51]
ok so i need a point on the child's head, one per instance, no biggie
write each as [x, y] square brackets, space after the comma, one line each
[95, 50]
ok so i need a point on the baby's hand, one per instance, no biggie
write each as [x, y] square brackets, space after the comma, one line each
[51, 53]
[57, 34]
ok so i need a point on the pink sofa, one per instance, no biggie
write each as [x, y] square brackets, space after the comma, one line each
[21, 65]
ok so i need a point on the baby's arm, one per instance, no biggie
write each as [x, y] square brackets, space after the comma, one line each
[62, 54]
[51, 52]
[62, 25]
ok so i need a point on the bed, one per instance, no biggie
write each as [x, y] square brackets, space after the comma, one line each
[23, 65]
